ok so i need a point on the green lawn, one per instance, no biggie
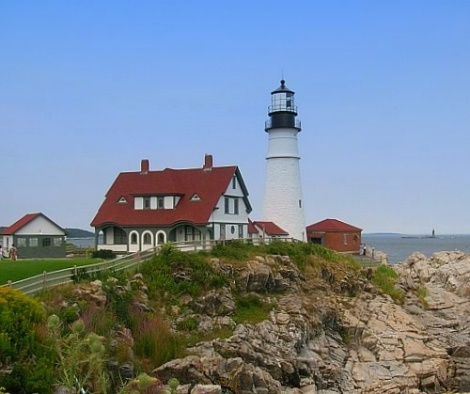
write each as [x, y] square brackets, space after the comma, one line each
[21, 269]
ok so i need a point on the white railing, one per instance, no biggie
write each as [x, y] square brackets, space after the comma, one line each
[47, 280]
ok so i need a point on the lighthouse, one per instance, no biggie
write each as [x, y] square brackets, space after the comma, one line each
[283, 203]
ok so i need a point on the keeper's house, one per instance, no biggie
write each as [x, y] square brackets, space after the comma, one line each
[335, 234]
[144, 209]
[35, 236]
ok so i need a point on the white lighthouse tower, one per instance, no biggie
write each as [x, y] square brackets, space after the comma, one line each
[283, 190]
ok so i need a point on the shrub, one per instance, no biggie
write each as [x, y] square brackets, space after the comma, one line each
[21, 344]
[106, 254]
[234, 249]
[173, 273]
[80, 357]
[20, 315]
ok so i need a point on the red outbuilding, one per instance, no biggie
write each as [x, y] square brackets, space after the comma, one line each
[335, 234]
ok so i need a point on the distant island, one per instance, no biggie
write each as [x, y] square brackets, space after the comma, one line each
[78, 233]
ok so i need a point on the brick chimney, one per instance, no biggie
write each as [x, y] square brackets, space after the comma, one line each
[207, 162]
[144, 166]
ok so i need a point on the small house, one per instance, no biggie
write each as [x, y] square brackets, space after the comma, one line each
[35, 236]
[335, 234]
[262, 231]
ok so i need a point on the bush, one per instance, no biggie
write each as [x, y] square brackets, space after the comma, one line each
[22, 344]
[106, 254]
[20, 315]
[173, 273]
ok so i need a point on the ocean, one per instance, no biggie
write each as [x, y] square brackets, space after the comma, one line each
[399, 247]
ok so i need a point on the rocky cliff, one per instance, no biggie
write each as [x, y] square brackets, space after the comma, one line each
[331, 331]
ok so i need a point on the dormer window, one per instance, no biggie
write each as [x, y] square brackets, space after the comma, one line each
[195, 197]
[146, 202]
[160, 203]
[122, 200]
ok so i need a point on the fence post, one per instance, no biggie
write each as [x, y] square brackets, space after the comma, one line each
[44, 273]
[9, 283]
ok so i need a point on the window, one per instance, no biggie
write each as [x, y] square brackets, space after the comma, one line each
[289, 101]
[160, 203]
[234, 182]
[122, 200]
[21, 242]
[46, 242]
[235, 206]
[300, 203]
[147, 240]
[227, 205]
[240, 231]
[120, 236]
[146, 202]
[133, 238]
[33, 242]
[188, 234]
[222, 231]
[345, 239]
[57, 242]
[232, 229]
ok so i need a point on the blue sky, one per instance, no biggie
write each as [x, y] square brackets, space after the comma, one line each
[88, 89]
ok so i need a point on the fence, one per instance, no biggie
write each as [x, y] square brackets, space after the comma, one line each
[47, 280]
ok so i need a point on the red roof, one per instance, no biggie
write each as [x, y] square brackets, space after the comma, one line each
[331, 225]
[208, 184]
[269, 228]
[28, 218]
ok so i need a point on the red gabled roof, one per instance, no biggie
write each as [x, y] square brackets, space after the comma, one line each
[269, 228]
[332, 225]
[208, 184]
[251, 227]
[28, 218]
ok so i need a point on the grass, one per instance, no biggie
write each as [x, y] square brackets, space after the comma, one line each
[21, 269]
[384, 277]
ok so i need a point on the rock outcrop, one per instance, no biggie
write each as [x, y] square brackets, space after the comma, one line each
[331, 331]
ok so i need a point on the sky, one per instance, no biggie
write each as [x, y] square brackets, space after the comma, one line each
[90, 88]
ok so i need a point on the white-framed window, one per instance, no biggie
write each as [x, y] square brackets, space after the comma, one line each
[231, 205]
[146, 202]
[345, 239]
[20, 242]
[33, 242]
[147, 239]
[160, 203]
[222, 231]
[134, 238]
[57, 241]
